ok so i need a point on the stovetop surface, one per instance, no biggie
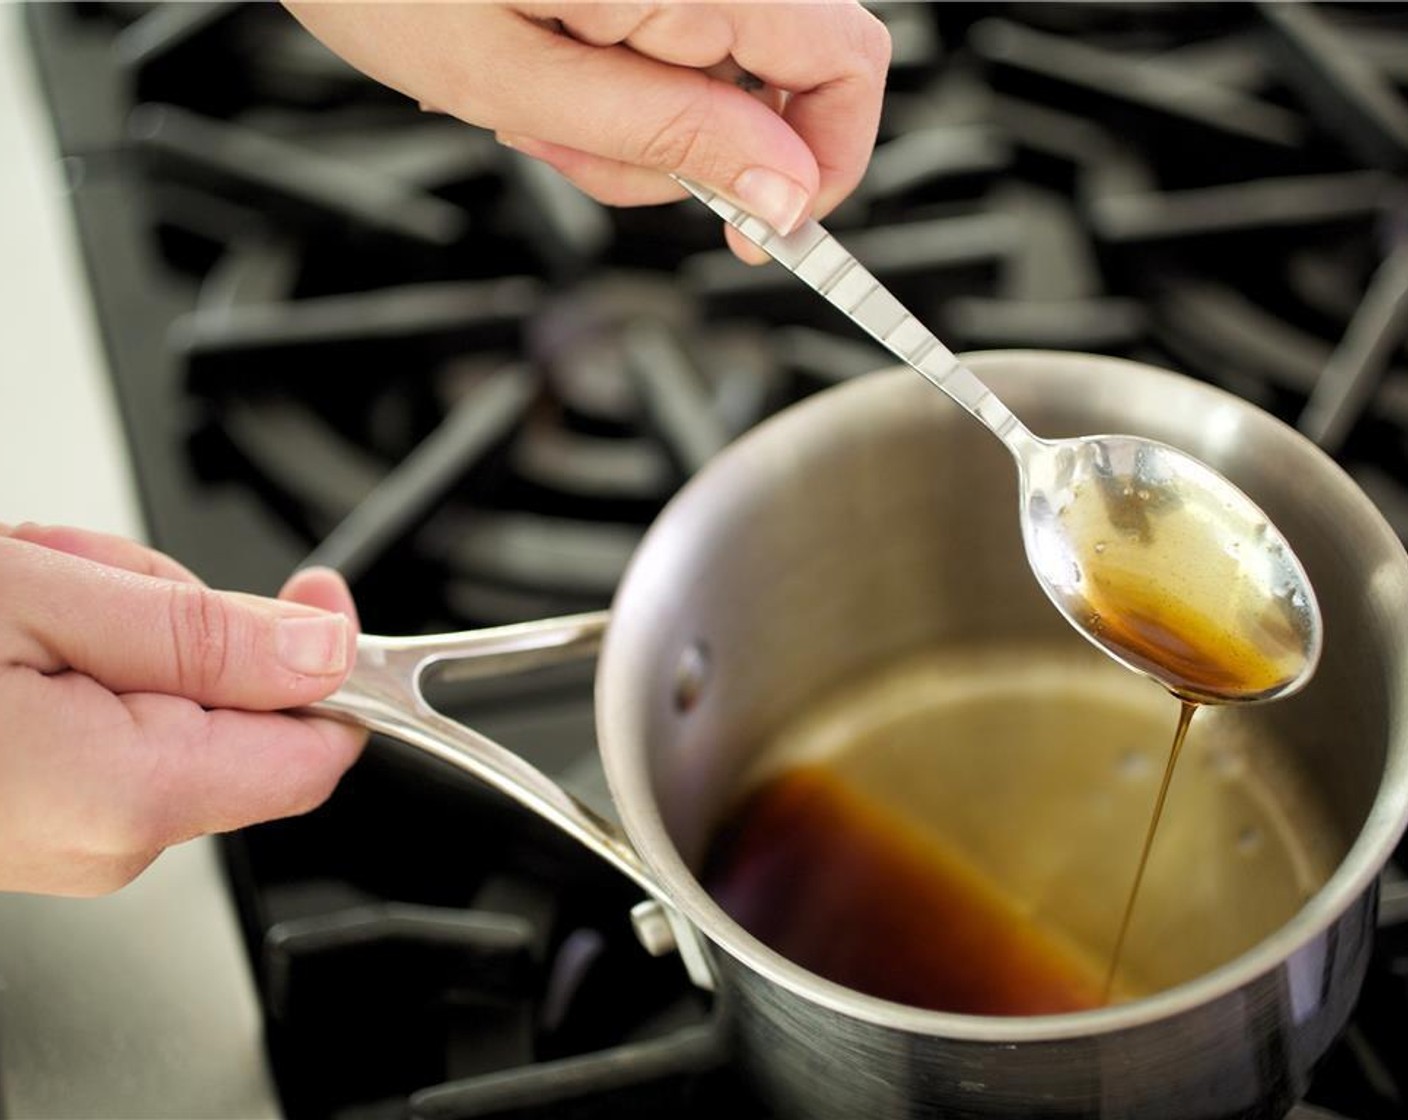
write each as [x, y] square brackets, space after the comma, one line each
[347, 332]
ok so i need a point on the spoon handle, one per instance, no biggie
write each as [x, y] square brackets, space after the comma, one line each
[824, 264]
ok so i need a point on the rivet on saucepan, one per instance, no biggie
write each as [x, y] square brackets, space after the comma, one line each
[652, 926]
[691, 675]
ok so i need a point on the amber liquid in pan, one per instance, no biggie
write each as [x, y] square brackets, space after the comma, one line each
[836, 881]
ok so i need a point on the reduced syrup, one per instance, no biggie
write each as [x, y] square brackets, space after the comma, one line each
[838, 883]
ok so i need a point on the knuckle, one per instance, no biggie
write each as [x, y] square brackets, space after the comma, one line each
[311, 792]
[675, 143]
[872, 43]
[143, 822]
[301, 793]
[315, 785]
[200, 634]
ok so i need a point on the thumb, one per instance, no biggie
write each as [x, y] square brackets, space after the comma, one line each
[139, 633]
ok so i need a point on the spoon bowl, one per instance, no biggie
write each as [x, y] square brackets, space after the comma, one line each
[1150, 554]
[1168, 568]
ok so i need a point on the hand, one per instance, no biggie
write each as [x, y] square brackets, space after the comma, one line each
[616, 95]
[141, 709]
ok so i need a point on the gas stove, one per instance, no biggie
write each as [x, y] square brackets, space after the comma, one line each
[343, 331]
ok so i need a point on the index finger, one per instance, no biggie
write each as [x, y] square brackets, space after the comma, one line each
[103, 548]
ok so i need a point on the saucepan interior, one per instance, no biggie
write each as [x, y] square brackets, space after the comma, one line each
[845, 591]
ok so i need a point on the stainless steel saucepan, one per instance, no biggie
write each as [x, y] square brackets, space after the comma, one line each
[846, 586]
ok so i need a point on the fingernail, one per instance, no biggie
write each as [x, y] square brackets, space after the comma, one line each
[771, 196]
[315, 646]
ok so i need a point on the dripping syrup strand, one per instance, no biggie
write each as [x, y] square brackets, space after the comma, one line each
[1185, 717]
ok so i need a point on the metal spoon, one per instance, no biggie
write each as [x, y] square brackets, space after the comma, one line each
[1150, 554]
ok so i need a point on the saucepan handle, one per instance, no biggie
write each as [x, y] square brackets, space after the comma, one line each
[383, 693]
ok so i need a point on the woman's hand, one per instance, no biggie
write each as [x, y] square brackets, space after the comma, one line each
[615, 96]
[141, 708]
